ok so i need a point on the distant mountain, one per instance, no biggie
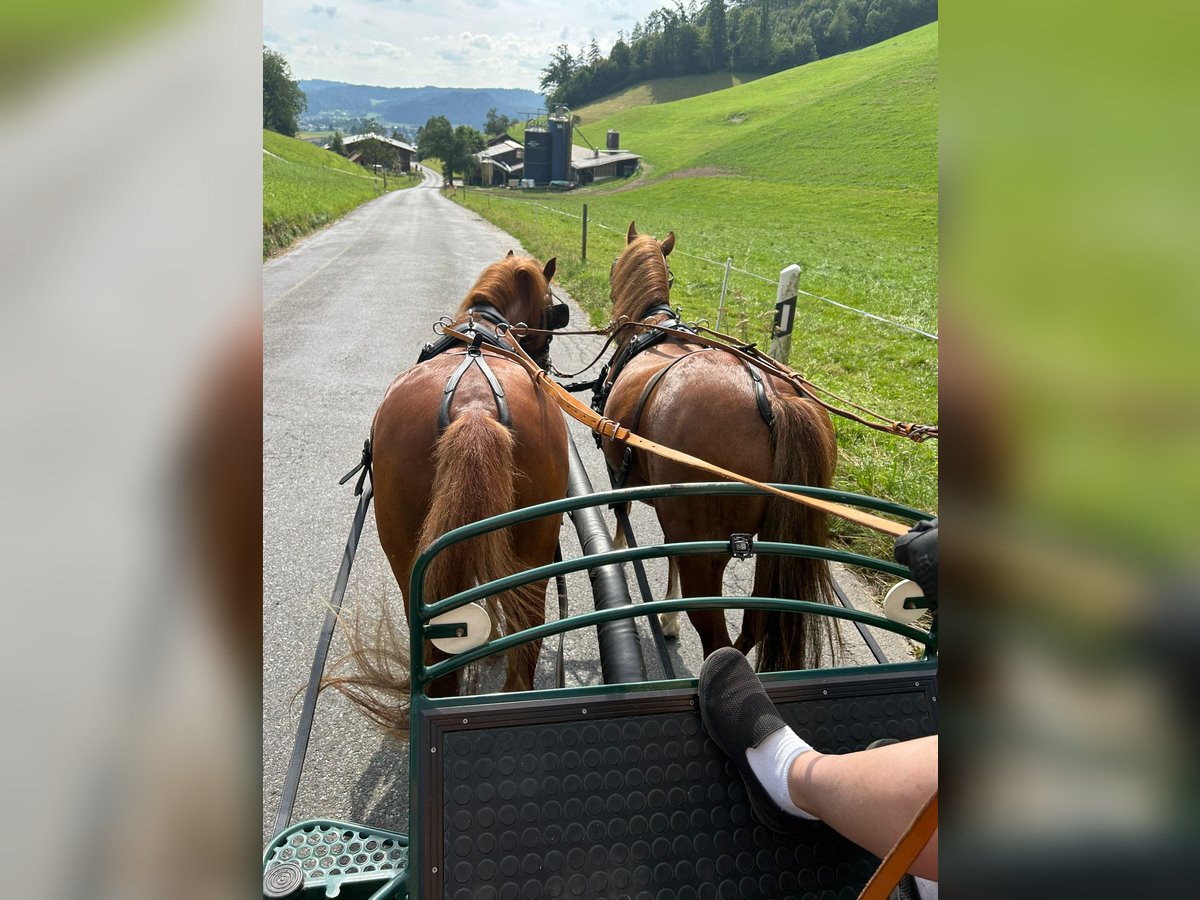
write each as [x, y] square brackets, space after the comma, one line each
[333, 103]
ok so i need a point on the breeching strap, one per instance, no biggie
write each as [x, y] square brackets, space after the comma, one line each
[617, 432]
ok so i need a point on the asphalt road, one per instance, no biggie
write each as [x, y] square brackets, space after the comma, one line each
[344, 313]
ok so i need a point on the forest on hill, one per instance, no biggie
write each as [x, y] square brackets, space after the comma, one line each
[761, 36]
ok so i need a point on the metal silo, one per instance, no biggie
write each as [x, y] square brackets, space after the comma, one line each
[613, 141]
[560, 144]
[537, 154]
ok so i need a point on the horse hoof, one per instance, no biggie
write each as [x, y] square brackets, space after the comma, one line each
[670, 625]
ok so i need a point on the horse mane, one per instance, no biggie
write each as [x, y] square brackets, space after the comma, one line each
[515, 286]
[639, 279]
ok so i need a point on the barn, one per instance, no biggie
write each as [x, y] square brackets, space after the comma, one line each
[588, 165]
[375, 149]
[501, 161]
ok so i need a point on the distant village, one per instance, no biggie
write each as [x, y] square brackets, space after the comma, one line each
[545, 156]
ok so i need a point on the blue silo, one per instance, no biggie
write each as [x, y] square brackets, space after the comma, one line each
[537, 154]
[560, 144]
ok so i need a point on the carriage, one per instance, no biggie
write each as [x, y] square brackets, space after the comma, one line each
[609, 790]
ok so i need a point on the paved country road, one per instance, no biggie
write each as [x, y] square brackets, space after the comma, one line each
[344, 313]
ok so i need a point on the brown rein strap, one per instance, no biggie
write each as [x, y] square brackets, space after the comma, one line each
[752, 355]
[901, 857]
[608, 428]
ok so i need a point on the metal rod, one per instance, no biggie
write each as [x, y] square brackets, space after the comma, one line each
[639, 570]
[868, 638]
[291, 782]
[600, 616]
[584, 253]
[620, 650]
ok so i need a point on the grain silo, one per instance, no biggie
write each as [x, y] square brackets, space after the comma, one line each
[560, 145]
[537, 152]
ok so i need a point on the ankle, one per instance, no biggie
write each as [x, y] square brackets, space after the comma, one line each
[799, 774]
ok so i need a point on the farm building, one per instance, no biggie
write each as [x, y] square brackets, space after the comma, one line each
[588, 165]
[375, 149]
[502, 160]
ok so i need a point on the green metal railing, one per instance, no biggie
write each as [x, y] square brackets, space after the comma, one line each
[421, 612]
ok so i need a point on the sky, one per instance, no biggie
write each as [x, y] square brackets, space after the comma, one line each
[448, 43]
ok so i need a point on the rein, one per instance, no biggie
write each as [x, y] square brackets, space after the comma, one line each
[751, 355]
[614, 430]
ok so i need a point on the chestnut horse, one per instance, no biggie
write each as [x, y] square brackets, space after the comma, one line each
[709, 404]
[459, 438]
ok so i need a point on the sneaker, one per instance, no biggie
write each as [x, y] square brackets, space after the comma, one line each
[738, 715]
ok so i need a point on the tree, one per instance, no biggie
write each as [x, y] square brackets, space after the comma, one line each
[593, 53]
[436, 138]
[496, 125]
[336, 144]
[560, 68]
[371, 125]
[467, 142]
[718, 36]
[283, 101]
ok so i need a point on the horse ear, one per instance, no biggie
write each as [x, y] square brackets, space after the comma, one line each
[631, 234]
[548, 272]
[669, 244]
[510, 255]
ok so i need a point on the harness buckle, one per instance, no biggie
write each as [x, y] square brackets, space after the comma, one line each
[741, 546]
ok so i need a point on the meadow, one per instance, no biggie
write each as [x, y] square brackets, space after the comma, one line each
[833, 166]
[306, 188]
[660, 90]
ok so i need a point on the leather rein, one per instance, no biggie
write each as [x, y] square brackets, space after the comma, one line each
[606, 427]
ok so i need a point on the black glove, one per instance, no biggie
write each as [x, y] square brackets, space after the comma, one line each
[919, 551]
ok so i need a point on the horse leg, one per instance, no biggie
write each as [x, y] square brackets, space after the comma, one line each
[701, 576]
[522, 663]
[446, 686]
[670, 621]
[618, 539]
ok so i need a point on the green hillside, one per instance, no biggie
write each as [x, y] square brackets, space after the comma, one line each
[832, 165]
[660, 90]
[306, 188]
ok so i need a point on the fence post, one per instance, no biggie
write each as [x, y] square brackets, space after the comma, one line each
[584, 253]
[724, 285]
[785, 313]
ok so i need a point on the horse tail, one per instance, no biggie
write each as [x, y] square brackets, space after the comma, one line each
[473, 464]
[805, 452]
[475, 480]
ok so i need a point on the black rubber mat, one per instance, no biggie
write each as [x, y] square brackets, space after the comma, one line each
[630, 799]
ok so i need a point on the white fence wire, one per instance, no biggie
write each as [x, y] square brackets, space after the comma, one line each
[861, 312]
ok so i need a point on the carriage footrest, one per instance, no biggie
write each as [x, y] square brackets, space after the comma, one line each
[617, 792]
[321, 858]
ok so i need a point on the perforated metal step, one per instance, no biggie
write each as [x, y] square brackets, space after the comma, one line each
[624, 796]
[336, 859]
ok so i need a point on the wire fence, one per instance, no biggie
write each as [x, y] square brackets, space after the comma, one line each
[845, 306]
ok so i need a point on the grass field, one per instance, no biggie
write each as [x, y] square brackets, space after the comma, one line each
[306, 188]
[659, 90]
[833, 166]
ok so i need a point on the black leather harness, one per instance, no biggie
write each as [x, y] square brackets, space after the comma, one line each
[473, 356]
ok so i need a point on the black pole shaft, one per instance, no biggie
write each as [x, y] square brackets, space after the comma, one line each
[291, 782]
[620, 650]
[585, 232]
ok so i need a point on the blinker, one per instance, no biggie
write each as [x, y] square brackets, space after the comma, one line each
[560, 316]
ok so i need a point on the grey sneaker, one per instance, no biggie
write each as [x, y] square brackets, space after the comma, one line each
[738, 715]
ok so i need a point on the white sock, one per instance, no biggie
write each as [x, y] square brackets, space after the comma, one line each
[772, 760]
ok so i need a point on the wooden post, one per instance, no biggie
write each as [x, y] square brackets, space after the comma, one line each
[724, 285]
[584, 252]
[785, 313]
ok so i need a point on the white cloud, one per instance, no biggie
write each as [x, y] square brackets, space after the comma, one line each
[451, 43]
